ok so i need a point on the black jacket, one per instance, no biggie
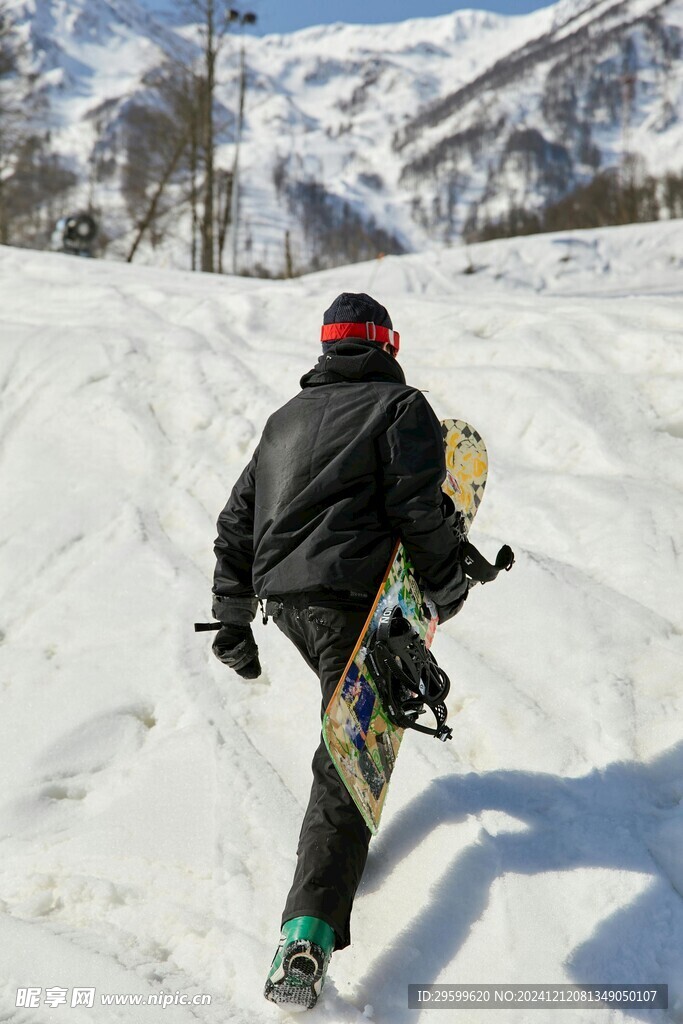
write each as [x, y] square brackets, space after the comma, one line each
[352, 463]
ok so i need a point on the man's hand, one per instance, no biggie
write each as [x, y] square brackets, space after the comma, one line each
[235, 647]
[446, 612]
[450, 598]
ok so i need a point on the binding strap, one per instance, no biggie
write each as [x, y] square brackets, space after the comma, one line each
[478, 568]
[407, 676]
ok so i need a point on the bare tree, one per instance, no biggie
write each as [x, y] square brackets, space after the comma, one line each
[33, 179]
[9, 113]
[33, 195]
[215, 19]
[161, 150]
[171, 144]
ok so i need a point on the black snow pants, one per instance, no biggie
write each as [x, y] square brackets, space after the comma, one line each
[333, 843]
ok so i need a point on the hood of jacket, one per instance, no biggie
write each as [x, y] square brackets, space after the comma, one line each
[351, 360]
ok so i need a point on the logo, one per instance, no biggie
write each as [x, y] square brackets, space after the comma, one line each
[453, 483]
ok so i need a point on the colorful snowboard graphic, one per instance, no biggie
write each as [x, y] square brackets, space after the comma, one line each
[362, 742]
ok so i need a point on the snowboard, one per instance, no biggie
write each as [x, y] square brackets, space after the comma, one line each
[362, 742]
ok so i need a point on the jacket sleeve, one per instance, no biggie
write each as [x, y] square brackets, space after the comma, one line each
[414, 467]
[234, 599]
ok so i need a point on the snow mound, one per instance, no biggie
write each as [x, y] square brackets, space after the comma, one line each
[152, 801]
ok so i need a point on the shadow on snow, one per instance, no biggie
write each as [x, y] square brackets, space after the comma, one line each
[625, 817]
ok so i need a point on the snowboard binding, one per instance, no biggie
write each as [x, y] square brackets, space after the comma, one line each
[407, 676]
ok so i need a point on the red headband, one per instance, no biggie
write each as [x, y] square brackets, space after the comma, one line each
[369, 331]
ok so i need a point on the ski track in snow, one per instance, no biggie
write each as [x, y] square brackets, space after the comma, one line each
[149, 822]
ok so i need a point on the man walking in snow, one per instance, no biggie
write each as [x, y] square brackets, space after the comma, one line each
[351, 464]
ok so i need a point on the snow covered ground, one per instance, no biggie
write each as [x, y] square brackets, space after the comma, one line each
[151, 800]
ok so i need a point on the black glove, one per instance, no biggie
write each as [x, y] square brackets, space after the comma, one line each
[450, 598]
[235, 647]
[447, 611]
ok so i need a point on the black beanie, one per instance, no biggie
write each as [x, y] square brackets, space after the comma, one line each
[357, 308]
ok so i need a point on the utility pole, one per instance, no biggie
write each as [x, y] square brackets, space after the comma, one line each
[245, 18]
[234, 212]
[214, 192]
[207, 261]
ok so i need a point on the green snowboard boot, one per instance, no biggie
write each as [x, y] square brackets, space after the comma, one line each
[298, 970]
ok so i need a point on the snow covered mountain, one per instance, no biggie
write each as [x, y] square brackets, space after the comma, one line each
[151, 800]
[388, 137]
[602, 79]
